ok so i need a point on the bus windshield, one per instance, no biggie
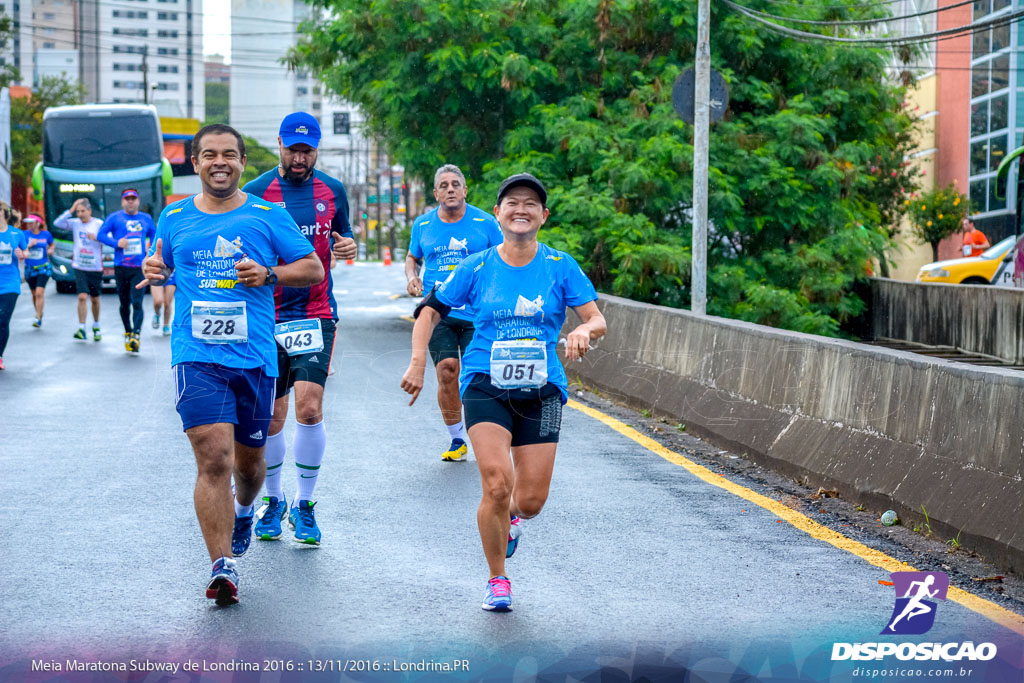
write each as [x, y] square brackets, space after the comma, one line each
[92, 142]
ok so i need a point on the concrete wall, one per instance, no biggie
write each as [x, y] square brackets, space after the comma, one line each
[976, 318]
[887, 429]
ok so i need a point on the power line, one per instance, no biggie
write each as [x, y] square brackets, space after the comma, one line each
[938, 35]
[859, 22]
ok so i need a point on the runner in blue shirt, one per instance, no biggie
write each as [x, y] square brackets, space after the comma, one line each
[228, 249]
[37, 262]
[440, 240]
[512, 383]
[12, 248]
[129, 231]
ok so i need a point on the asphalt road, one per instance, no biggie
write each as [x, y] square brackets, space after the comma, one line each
[634, 566]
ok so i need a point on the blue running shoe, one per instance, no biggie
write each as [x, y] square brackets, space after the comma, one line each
[514, 532]
[241, 536]
[499, 595]
[223, 586]
[268, 528]
[456, 452]
[303, 522]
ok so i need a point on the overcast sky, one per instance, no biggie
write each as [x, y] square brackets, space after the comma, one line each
[217, 28]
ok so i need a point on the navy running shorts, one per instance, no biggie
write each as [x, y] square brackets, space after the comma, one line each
[450, 339]
[530, 415]
[305, 367]
[208, 393]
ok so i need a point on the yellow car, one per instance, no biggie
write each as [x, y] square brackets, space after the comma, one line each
[970, 270]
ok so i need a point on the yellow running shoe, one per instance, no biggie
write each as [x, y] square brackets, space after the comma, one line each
[456, 452]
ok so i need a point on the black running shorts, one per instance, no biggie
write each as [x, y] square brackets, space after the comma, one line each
[450, 339]
[530, 415]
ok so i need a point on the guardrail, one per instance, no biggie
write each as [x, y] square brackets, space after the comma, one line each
[974, 318]
[888, 429]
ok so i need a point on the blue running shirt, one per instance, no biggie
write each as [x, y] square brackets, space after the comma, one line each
[36, 255]
[442, 246]
[137, 228]
[202, 249]
[10, 273]
[526, 302]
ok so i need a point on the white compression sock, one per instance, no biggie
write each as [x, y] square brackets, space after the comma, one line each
[308, 449]
[457, 430]
[274, 455]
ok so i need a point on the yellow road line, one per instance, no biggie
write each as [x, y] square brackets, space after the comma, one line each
[395, 296]
[408, 317]
[989, 610]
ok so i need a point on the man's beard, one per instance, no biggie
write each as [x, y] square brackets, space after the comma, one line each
[297, 177]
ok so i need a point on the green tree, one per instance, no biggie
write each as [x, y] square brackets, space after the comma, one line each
[217, 102]
[258, 159]
[937, 214]
[8, 72]
[27, 120]
[807, 172]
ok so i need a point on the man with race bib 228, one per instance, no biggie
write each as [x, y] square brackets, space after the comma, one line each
[228, 249]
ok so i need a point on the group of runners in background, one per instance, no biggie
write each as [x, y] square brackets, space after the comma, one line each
[255, 318]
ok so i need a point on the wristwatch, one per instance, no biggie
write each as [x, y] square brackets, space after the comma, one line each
[271, 277]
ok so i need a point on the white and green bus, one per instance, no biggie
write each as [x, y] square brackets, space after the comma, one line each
[95, 151]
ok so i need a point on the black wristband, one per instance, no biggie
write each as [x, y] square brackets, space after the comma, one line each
[431, 301]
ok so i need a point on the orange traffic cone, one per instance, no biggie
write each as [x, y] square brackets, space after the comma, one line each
[387, 256]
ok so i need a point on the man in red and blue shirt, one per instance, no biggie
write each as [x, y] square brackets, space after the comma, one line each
[306, 322]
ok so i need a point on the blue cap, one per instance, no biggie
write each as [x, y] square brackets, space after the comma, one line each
[300, 128]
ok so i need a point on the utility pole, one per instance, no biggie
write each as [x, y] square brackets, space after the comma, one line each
[145, 75]
[391, 206]
[376, 184]
[701, 132]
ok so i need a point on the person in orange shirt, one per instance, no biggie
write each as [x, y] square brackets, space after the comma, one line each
[975, 241]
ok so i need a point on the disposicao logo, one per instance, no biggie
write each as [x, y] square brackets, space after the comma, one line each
[913, 614]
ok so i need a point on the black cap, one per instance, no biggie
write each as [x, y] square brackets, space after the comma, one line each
[524, 179]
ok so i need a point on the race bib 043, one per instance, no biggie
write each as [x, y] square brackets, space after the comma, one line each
[519, 364]
[219, 322]
[300, 336]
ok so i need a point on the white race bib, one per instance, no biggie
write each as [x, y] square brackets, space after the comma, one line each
[6, 254]
[219, 322]
[134, 247]
[967, 250]
[300, 336]
[87, 258]
[519, 364]
[35, 252]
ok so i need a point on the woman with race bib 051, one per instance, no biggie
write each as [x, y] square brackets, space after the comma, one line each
[512, 383]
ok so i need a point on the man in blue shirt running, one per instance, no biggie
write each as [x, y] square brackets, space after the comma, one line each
[228, 249]
[440, 240]
[129, 231]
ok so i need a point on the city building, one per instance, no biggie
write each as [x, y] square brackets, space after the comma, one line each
[119, 50]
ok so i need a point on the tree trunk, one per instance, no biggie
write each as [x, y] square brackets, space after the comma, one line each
[935, 251]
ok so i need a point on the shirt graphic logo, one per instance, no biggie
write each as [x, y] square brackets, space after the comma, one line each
[914, 612]
[225, 249]
[320, 207]
[529, 309]
[457, 245]
[134, 226]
